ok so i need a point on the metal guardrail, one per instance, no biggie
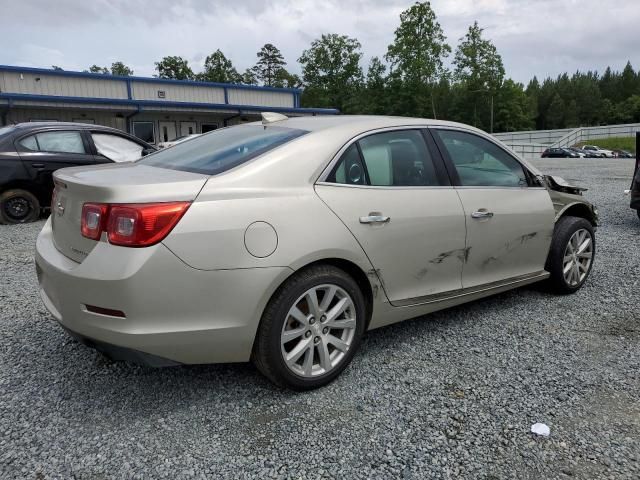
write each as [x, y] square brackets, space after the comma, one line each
[582, 134]
[531, 144]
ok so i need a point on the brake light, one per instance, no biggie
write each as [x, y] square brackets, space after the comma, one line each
[131, 225]
[93, 220]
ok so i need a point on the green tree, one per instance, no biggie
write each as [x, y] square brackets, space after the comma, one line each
[513, 108]
[479, 68]
[218, 68]
[249, 77]
[270, 62]
[119, 68]
[417, 55]
[477, 62]
[556, 112]
[284, 79]
[96, 69]
[628, 82]
[174, 67]
[331, 71]
[372, 97]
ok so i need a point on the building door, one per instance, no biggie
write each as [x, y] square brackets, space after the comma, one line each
[167, 131]
[187, 128]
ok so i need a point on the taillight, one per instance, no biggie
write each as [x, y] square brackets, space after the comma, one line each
[133, 225]
[141, 225]
[94, 216]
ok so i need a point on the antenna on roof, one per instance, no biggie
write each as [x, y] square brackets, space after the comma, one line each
[271, 117]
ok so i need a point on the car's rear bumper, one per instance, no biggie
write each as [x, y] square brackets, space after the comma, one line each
[170, 310]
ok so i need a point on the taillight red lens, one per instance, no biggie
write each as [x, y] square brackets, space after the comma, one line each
[143, 224]
[93, 220]
[131, 225]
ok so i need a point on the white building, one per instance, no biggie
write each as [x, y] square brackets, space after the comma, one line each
[153, 109]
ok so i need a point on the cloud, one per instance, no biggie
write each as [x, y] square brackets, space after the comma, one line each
[537, 37]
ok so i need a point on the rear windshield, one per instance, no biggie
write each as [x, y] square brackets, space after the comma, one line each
[6, 130]
[221, 150]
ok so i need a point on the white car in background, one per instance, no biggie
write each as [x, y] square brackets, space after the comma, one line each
[178, 140]
[595, 148]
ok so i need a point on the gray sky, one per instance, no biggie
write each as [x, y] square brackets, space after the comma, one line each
[536, 37]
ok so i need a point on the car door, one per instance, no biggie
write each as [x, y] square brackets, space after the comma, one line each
[44, 152]
[509, 214]
[392, 192]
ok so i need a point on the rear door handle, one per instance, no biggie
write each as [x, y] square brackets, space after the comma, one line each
[37, 165]
[375, 217]
[482, 214]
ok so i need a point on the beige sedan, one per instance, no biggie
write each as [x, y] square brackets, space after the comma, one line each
[284, 241]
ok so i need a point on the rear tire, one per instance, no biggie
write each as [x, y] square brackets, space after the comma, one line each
[571, 256]
[18, 206]
[303, 343]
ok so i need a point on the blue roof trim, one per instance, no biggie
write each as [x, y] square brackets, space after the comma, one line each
[101, 76]
[161, 103]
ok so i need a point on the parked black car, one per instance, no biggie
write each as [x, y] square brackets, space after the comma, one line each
[623, 154]
[635, 188]
[559, 153]
[31, 152]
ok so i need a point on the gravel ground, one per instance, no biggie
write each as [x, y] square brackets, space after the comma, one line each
[450, 395]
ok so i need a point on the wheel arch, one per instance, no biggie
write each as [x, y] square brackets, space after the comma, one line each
[28, 186]
[578, 209]
[351, 268]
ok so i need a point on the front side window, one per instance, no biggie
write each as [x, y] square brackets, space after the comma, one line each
[144, 131]
[223, 149]
[116, 148]
[481, 163]
[399, 158]
[55, 142]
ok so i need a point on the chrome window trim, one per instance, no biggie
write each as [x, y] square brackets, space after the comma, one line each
[385, 187]
[336, 158]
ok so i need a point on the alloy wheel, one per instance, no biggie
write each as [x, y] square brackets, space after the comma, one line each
[319, 330]
[577, 257]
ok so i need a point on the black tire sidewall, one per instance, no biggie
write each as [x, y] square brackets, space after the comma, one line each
[563, 232]
[34, 206]
[280, 306]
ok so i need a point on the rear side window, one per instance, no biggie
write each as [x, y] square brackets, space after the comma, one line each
[55, 142]
[391, 159]
[223, 149]
[6, 130]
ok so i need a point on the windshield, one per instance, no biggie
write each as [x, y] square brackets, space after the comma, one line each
[223, 149]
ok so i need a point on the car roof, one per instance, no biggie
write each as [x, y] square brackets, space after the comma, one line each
[30, 125]
[360, 122]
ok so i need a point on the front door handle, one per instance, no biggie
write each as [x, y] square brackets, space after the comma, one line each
[37, 165]
[482, 213]
[375, 217]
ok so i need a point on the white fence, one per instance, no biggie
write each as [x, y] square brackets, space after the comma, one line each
[580, 135]
[531, 143]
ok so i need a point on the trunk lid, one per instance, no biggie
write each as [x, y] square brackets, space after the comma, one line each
[111, 183]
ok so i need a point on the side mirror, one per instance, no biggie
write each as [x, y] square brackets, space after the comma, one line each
[147, 151]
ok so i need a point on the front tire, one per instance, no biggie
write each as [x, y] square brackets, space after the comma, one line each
[310, 329]
[18, 206]
[571, 255]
